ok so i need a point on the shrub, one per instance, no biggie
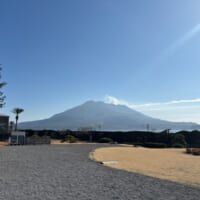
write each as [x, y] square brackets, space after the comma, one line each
[71, 139]
[196, 151]
[179, 141]
[188, 150]
[105, 140]
[154, 145]
[137, 144]
[63, 140]
[178, 145]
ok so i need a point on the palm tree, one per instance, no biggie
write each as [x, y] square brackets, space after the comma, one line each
[17, 111]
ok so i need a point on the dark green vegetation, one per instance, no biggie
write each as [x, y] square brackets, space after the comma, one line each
[105, 140]
[2, 96]
[154, 145]
[69, 138]
[137, 138]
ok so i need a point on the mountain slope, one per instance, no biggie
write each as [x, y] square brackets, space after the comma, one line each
[104, 116]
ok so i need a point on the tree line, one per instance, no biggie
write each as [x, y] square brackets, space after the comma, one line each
[143, 138]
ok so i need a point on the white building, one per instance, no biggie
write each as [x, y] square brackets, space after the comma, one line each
[17, 138]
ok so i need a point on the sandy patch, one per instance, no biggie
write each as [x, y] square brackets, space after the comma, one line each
[2, 144]
[169, 164]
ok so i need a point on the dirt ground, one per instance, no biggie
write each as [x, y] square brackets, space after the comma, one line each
[169, 164]
[2, 144]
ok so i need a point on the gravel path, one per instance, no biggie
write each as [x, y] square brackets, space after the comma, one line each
[65, 172]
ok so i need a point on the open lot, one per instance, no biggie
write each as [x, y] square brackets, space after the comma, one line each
[170, 164]
[49, 172]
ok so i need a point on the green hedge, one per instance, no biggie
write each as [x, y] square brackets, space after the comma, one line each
[154, 145]
[105, 140]
[178, 145]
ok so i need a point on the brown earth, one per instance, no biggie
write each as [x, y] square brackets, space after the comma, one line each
[170, 164]
[2, 144]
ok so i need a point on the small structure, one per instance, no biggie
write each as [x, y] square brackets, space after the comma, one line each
[4, 121]
[17, 138]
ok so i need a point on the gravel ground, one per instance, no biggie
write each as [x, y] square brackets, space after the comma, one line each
[65, 172]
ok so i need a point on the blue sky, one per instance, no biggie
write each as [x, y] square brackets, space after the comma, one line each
[58, 54]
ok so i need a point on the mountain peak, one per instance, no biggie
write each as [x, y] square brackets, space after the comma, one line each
[109, 116]
[91, 102]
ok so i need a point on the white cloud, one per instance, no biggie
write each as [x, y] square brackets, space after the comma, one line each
[175, 110]
[114, 100]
